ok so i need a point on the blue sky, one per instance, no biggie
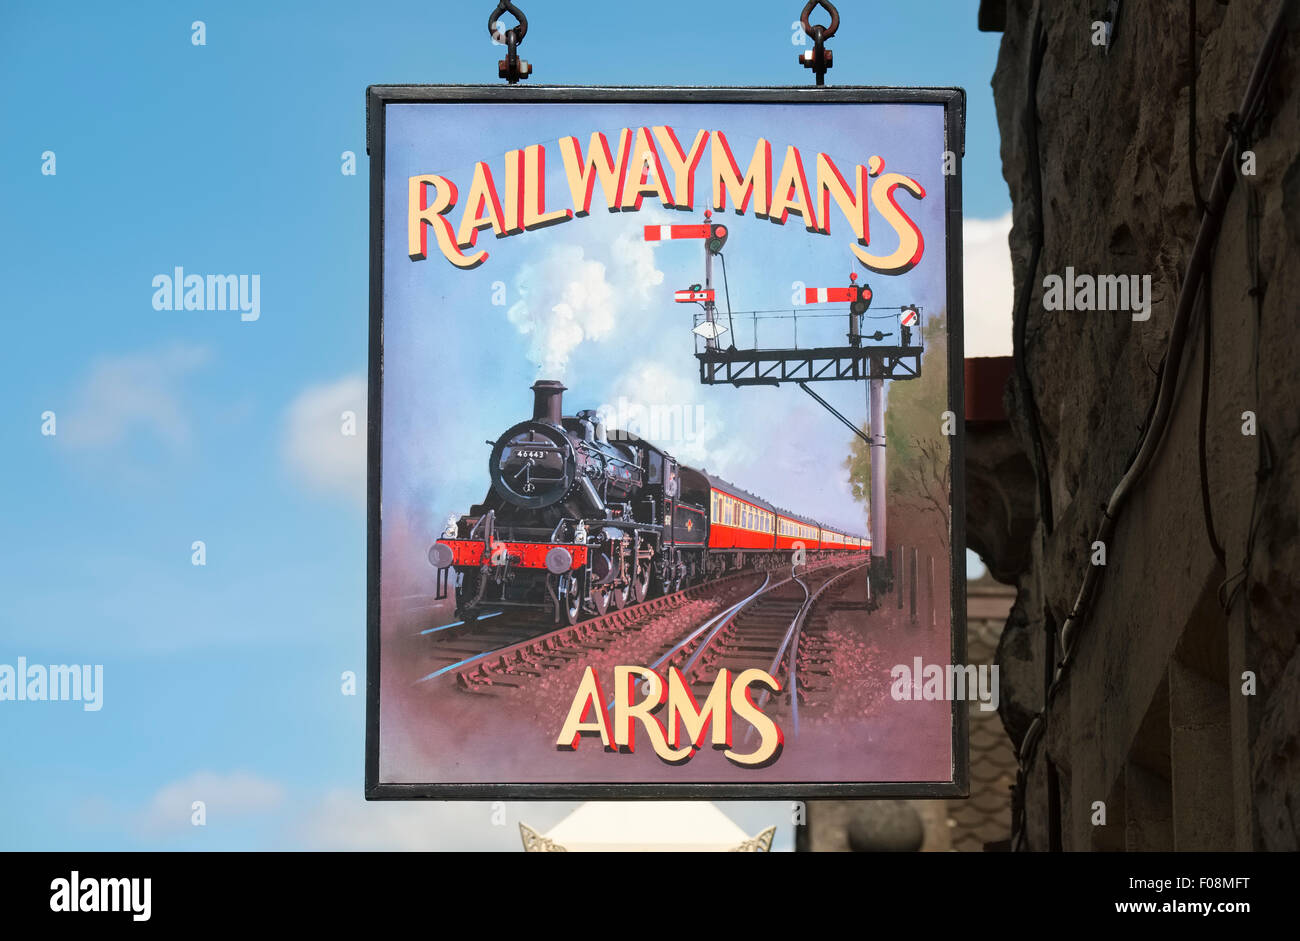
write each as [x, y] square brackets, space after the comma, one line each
[223, 681]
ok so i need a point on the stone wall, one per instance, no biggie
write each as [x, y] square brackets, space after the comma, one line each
[1150, 716]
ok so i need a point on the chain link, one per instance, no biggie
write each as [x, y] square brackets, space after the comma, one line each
[511, 68]
[819, 59]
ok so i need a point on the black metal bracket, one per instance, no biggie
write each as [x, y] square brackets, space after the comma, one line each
[773, 367]
[834, 411]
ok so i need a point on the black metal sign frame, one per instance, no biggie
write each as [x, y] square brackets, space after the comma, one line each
[953, 102]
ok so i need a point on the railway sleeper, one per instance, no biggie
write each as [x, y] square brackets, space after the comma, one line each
[518, 666]
[474, 678]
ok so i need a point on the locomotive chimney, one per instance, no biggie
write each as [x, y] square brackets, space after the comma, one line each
[548, 400]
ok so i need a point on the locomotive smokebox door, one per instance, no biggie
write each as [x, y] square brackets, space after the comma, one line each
[533, 464]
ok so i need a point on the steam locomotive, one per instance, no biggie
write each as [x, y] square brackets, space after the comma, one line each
[581, 520]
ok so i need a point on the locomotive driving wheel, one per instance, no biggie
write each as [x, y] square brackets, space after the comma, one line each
[641, 580]
[600, 598]
[571, 602]
[621, 593]
[673, 574]
[618, 596]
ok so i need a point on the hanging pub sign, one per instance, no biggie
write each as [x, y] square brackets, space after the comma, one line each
[665, 488]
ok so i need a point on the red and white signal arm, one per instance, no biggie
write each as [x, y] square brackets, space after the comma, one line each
[830, 295]
[657, 233]
[909, 317]
[688, 297]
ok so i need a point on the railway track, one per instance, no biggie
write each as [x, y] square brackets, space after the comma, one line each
[759, 619]
[766, 630]
[506, 651]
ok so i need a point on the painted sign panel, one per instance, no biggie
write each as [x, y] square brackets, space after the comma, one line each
[614, 548]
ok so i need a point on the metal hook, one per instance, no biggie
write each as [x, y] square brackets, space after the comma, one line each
[511, 68]
[826, 32]
[819, 58]
[519, 31]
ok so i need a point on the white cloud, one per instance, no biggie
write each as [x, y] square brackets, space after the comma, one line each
[225, 796]
[633, 264]
[317, 450]
[131, 393]
[673, 410]
[986, 274]
[567, 297]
